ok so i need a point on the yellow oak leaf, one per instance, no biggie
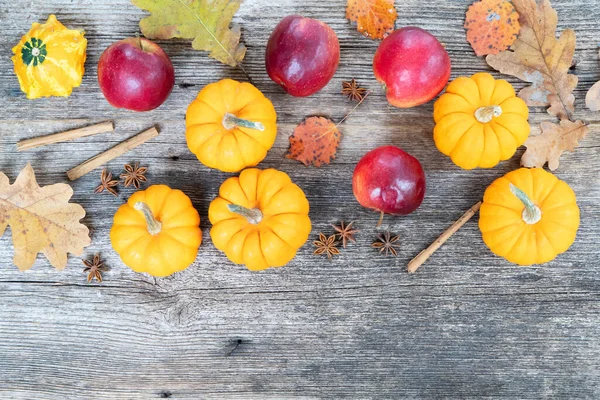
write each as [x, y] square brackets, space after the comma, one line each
[374, 18]
[41, 220]
[554, 140]
[207, 22]
[539, 58]
[592, 99]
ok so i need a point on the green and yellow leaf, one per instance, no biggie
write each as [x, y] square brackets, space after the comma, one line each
[207, 22]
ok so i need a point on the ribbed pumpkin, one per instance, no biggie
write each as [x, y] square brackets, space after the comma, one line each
[529, 216]
[230, 125]
[49, 60]
[157, 231]
[260, 219]
[479, 121]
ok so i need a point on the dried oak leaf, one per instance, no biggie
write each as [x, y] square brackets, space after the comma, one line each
[592, 99]
[374, 18]
[41, 219]
[539, 58]
[492, 26]
[554, 140]
[314, 141]
[207, 22]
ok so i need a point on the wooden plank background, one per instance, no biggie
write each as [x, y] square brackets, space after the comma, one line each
[467, 325]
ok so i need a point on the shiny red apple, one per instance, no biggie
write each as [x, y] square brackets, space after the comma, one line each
[389, 180]
[413, 65]
[135, 74]
[302, 55]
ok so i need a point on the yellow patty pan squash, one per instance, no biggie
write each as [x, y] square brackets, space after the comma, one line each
[230, 125]
[157, 231]
[529, 216]
[260, 219]
[49, 60]
[479, 121]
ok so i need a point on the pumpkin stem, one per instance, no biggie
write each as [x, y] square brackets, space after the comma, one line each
[253, 215]
[532, 213]
[230, 121]
[154, 226]
[486, 114]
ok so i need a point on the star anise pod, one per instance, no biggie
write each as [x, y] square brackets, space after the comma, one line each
[345, 233]
[107, 183]
[353, 90]
[94, 268]
[134, 175]
[386, 243]
[326, 245]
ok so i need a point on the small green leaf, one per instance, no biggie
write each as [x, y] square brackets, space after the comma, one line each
[207, 22]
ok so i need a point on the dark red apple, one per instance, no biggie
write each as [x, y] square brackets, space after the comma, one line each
[302, 55]
[135, 74]
[413, 65]
[389, 180]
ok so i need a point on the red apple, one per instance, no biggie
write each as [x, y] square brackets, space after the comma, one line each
[302, 55]
[389, 180]
[135, 74]
[413, 65]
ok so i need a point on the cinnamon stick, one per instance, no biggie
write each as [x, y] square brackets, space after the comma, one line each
[111, 154]
[425, 254]
[65, 136]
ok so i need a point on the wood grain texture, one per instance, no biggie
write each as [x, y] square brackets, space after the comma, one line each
[466, 325]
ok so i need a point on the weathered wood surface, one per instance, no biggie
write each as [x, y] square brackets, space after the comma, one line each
[467, 325]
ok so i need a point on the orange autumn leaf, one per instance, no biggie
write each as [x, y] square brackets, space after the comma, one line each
[374, 18]
[314, 141]
[492, 26]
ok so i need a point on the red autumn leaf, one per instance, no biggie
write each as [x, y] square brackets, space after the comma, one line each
[314, 141]
[492, 26]
[374, 18]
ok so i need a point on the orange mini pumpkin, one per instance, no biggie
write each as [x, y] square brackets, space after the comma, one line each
[479, 121]
[230, 126]
[529, 216]
[260, 218]
[157, 231]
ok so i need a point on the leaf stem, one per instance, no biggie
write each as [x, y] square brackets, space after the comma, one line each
[345, 116]
[355, 107]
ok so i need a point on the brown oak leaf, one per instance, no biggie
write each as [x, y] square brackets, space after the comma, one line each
[314, 141]
[41, 219]
[592, 99]
[374, 18]
[555, 139]
[539, 58]
[492, 26]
